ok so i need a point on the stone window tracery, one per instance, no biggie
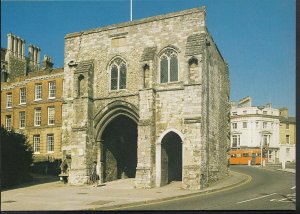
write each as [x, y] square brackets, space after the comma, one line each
[168, 66]
[118, 70]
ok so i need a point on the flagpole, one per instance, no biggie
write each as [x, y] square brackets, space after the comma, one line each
[130, 10]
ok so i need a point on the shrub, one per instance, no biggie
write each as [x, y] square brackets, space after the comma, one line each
[16, 157]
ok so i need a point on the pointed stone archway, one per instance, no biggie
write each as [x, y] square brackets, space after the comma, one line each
[119, 149]
[169, 157]
[116, 134]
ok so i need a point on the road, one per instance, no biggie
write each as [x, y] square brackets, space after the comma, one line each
[267, 190]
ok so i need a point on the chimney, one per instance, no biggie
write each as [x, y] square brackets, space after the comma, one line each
[16, 46]
[9, 43]
[47, 62]
[15, 51]
[34, 56]
[30, 54]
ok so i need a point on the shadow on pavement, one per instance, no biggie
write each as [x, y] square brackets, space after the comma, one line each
[35, 179]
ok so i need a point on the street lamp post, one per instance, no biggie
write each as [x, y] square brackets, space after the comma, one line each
[261, 140]
[261, 153]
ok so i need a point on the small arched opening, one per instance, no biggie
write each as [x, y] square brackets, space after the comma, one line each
[80, 85]
[171, 158]
[146, 70]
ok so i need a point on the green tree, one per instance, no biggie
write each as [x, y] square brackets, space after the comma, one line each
[16, 157]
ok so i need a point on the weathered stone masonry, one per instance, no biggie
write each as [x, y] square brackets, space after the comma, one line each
[192, 111]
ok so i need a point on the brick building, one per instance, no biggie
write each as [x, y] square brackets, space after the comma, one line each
[147, 99]
[287, 132]
[31, 98]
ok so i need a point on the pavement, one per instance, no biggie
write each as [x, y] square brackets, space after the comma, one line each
[113, 195]
[278, 168]
[288, 170]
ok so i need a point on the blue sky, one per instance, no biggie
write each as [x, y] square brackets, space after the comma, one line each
[256, 37]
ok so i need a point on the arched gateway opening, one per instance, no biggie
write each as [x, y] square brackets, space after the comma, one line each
[171, 158]
[119, 149]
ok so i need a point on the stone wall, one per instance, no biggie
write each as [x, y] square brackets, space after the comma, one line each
[216, 113]
[17, 67]
[192, 107]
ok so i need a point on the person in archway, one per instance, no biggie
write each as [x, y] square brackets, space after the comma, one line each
[94, 175]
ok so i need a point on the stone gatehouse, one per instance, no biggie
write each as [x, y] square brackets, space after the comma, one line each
[147, 99]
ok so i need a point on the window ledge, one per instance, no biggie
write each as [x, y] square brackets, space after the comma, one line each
[118, 90]
[22, 103]
[51, 98]
[50, 152]
[38, 100]
[37, 153]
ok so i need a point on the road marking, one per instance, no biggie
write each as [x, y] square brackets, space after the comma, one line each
[289, 198]
[293, 187]
[256, 198]
[249, 178]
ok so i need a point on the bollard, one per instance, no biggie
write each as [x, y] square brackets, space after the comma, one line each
[249, 162]
[283, 164]
[264, 162]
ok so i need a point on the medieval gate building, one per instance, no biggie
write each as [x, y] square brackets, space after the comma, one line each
[147, 99]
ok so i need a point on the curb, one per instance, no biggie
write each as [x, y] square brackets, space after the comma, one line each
[120, 206]
[282, 170]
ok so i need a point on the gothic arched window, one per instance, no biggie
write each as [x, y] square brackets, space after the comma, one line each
[168, 66]
[118, 70]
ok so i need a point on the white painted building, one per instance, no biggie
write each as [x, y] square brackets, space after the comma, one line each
[253, 126]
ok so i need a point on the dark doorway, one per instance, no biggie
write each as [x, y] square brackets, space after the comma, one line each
[171, 158]
[119, 153]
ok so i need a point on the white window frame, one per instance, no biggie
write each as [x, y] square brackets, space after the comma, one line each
[38, 91]
[266, 140]
[22, 121]
[37, 117]
[51, 118]
[245, 124]
[234, 125]
[169, 59]
[9, 100]
[36, 144]
[238, 141]
[113, 62]
[8, 122]
[265, 125]
[288, 139]
[22, 95]
[52, 89]
[50, 143]
[287, 126]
